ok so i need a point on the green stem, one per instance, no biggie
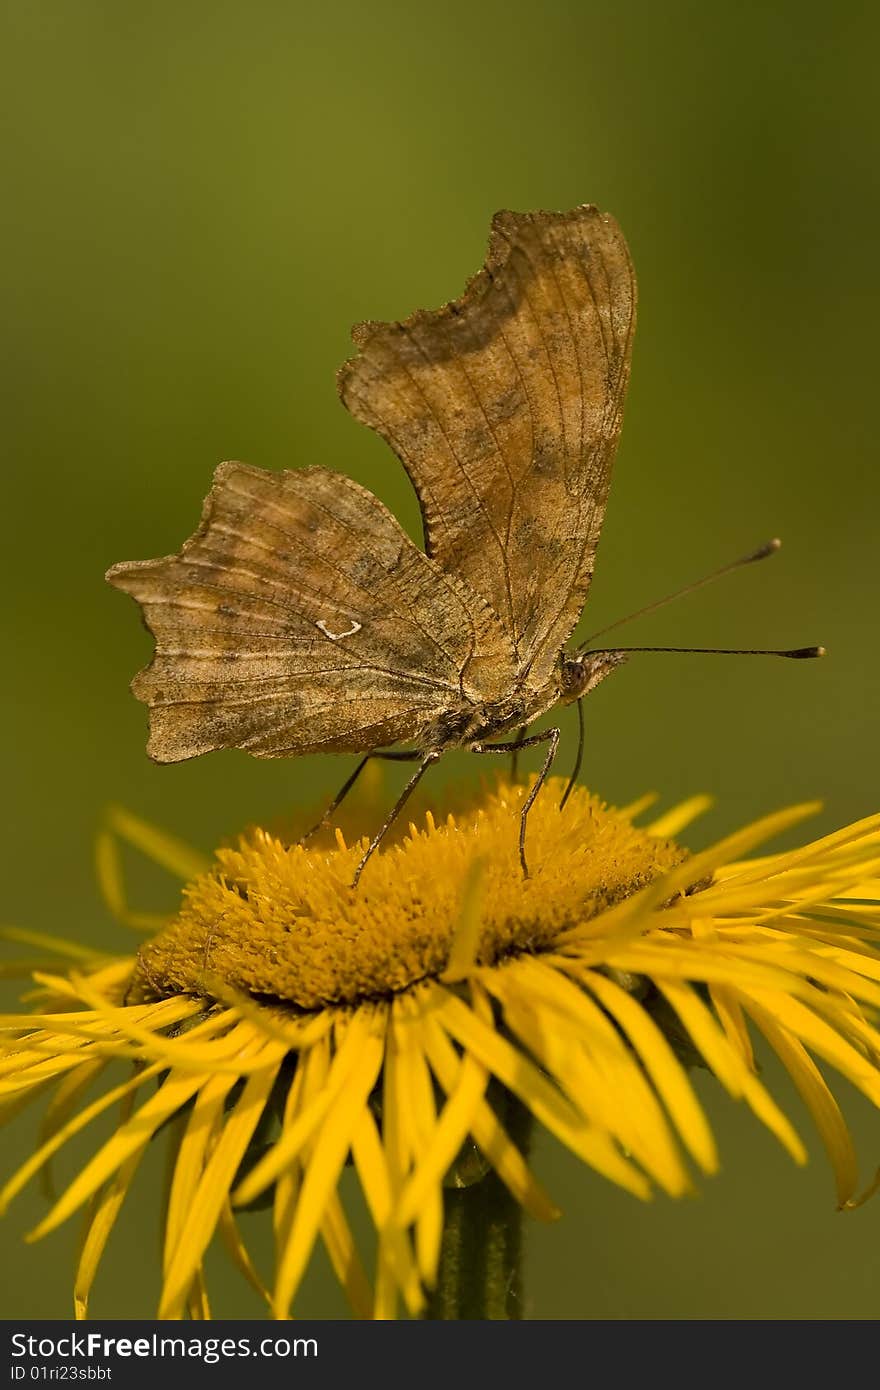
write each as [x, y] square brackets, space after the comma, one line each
[480, 1273]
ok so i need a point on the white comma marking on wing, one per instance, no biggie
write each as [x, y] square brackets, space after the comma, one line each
[335, 636]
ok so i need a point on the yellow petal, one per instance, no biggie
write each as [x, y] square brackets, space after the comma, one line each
[294, 1033]
[13, 1105]
[662, 1065]
[296, 1135]
[174, 1093]
[100, 1022]
[197, 1305]
[727, 1064]
[185, 1051]
[214, 1184]
[453, 1127]
[819, 1101]
[576, 1043]
[239, 1253]
[64, 1103]
[395, 1264]
[73, 1126]
[54, 945]
[338, 1240]
[287, 1184]
[102, 1218]
[546, 1103]
[667, 826]
[418, 1106]
[322, 1174]
[627, 919]
[108, 870]
[633, 809]
[821, 1038]
[172, 854]
[488, 1132]
[203, 1123]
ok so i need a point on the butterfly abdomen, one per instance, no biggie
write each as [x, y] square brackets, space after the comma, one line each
[455, 728]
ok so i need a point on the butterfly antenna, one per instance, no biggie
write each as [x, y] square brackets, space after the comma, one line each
[794, 653]
[769, 548]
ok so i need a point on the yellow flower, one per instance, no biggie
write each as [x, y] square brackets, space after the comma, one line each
[283, 1025]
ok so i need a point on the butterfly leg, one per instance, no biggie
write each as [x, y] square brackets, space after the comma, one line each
[550, 736]
[514, 752]
[580, 756]
[404, 757]
[426, 760]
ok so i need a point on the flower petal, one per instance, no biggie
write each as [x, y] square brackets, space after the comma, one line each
[73, 1126]
[487, 1131]
[296, 1135]
[214, 1185]
[106, 1206]
[395, 1263]
[727, 1064]
[819, 1101]
[661, 1064]
[174, 1092]
[673, 821]
[576, 1044]
[546, 1103]
[340, 1246]
[324, 1166]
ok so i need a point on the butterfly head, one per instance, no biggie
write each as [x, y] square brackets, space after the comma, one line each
[582, 673]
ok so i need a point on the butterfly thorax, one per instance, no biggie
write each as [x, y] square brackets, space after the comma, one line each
[469, 723]
[476, 721]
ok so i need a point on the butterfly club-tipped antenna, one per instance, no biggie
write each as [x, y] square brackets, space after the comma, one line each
[586, 650]
[762, 553]
[793, 653]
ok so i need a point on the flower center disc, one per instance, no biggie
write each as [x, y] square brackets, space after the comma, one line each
[282, 922]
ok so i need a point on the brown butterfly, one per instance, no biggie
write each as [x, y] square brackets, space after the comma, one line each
[301, 618]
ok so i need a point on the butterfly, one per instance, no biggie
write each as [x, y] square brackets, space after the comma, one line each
[301, 618]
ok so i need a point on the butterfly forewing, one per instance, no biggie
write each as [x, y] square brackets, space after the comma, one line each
[505, 409]
[300, 617]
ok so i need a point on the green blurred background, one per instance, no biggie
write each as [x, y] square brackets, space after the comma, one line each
[199, 199]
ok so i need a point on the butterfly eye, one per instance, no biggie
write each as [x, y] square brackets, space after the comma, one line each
[572, 678]
[583, 673]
